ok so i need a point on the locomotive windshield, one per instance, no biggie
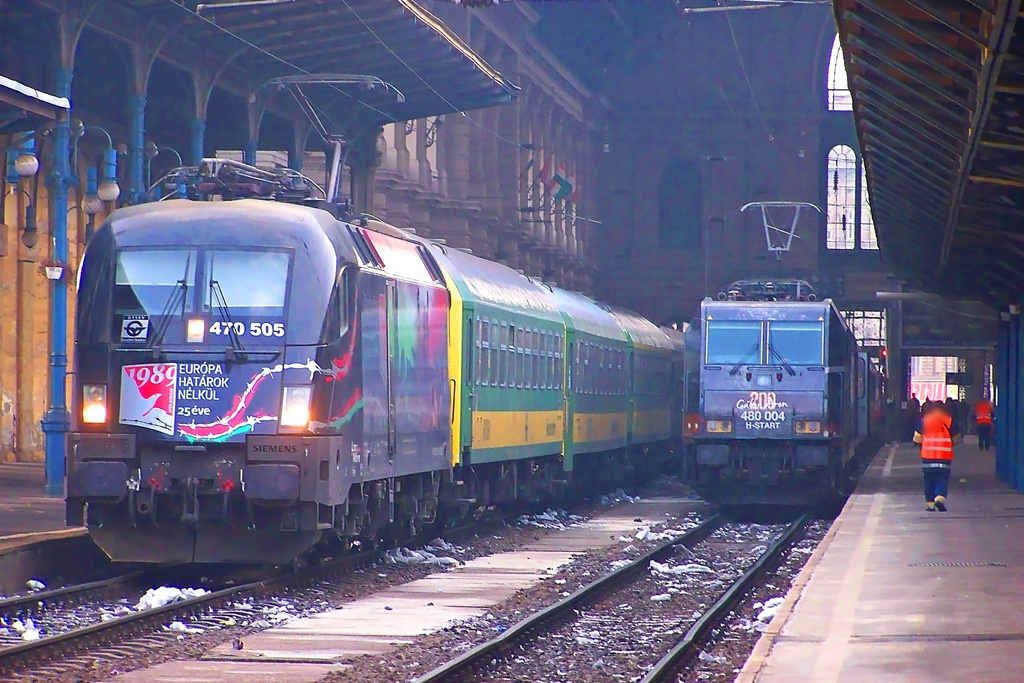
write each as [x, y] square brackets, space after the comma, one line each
[797, 343]
[250, 282]
[730, 342]
[148, 279]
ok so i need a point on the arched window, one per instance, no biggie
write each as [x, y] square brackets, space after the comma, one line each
[839, 98]
[679, 206]
[848, 219]
[867, 223]
[842, 198]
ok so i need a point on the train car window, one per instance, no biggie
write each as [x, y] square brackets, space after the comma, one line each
[481, 350]
[503, 358]
[147, 280]
[493, 355]
[560, 360]
[247, 282]
[731, 341]
[514, 339]
[796, 343]
[537, 363]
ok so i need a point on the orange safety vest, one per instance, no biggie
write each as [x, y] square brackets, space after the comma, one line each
[983, 412]
[936, 442]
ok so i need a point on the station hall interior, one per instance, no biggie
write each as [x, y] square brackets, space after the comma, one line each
[609, 149]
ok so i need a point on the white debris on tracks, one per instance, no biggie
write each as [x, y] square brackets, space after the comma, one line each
[165, 595]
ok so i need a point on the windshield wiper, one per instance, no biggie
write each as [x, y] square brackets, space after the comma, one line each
[225, 313]
[781, 359]
[743, 359]
[179, 294]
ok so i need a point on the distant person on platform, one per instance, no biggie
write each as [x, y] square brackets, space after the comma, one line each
[983, 421]
[936, 432]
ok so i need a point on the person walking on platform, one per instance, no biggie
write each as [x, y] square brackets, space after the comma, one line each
[936, 432]
[983, 422]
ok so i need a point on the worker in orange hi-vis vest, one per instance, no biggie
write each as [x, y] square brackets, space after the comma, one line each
[983, 421]
[936, 432]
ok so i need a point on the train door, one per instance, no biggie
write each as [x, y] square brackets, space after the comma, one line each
[391, 313]
[862, 393]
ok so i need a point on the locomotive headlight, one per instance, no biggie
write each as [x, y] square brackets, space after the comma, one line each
[807, 427]
[195, 330]
[295, 407]
[719, 426]
[94, 404]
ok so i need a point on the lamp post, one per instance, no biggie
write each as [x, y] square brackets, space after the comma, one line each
[152, 151]
[21, 164]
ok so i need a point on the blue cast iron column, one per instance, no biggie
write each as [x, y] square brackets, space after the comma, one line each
[56, 422]
[198, 139]
[1002, 388]
[136, 160]
[250, 152]
[1016, 406]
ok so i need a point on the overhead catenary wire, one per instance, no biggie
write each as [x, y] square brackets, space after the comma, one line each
[746, 77]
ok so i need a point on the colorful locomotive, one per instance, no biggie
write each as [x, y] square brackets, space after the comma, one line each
[783, 396]
[253, 377]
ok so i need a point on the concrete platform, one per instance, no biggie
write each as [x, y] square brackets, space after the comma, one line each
[27, 515]
[895, 593]
[307, 649]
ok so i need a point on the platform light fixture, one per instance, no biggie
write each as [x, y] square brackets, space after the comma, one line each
[108, 189]
[22, 163]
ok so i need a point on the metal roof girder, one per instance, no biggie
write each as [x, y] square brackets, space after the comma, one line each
[900, 154]
[914, 207]
[913, 145]
[998, 209]
[926, 118]
[913, 190]
[907, 71]
[1004, 181]
[937, 15]
[931, 40]
[909, 49]
[895, 118]
[932, 104]
[869, 121]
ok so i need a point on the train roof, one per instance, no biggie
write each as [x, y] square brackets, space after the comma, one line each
[583, 314]
[762, 310]
[267, 223]
[677, 338]
[641, 331]
[481, 281]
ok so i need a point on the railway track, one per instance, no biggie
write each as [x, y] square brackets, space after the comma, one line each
[478, 663]
[119, 635]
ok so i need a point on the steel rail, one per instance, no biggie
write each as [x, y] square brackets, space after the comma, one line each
[50, 647]
[667, 666]
[501, 646]
[30, 603]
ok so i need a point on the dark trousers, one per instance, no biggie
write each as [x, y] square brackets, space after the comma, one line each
[936, 483]
[984, 436]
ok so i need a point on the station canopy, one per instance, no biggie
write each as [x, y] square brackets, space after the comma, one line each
[938, 91]
[397, 42]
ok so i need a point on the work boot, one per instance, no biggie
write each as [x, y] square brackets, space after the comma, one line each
[929, 506]
[940, 503]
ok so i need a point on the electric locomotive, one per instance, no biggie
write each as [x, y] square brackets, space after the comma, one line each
[781, 396]
[256, 376]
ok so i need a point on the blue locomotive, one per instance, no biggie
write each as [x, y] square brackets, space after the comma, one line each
[256, 376]
[782, 396]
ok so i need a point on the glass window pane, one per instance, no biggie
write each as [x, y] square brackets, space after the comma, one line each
[250, 282]
[842, 198]
[796, 343]
[148, 279]
[839, 98]
[868, 240]
[731, 342]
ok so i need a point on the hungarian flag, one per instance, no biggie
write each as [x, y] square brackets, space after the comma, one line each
[560, 186]
[546, 163]
[574, 197]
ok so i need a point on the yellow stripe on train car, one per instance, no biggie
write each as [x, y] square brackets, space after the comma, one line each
[652, 422]
[504, 429]
[589, 427]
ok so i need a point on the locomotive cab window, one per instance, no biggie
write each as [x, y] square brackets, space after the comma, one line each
[796, 343]
[148, 280]
[733, 341]
[247, 283]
